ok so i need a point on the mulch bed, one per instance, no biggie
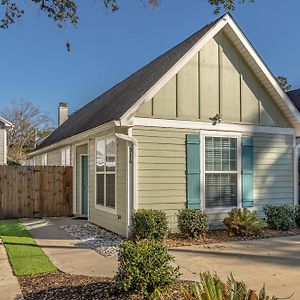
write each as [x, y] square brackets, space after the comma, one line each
[61, 286]
[221, 236]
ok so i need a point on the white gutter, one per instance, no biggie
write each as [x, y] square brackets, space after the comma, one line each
[132, 178]
[74, 138]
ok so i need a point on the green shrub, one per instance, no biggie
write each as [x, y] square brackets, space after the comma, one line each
[211, 287]
[297, 215]
[150, 224]
[243, 222]
[144, 267]
[192, 222]
[281, 217]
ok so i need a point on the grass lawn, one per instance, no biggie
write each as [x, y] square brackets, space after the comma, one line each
[25, 256]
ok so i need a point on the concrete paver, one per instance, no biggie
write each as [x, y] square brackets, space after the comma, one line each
[68, 254]
[274, 262]
[9, 285]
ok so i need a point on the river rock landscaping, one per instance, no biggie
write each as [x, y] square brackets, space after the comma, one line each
[103, 241]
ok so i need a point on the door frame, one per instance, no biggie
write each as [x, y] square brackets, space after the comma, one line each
[80, 185]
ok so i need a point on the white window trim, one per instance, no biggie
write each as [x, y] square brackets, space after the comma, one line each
[99, 206]
[238, 136]
[44, 160]
[66, 156]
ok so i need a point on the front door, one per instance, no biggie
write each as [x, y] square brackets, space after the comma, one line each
[84, 184]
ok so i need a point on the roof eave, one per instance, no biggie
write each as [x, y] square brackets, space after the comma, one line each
[291, 111]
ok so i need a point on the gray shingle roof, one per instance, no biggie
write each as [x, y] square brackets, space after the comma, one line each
[115, 102]
[295, 97]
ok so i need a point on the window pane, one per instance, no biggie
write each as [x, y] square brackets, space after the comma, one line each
[100, 156]
[68, 157]
[100, 189]
[110, 155]
[220, 190]
[63, 157]
[220, 154]
[110, 190]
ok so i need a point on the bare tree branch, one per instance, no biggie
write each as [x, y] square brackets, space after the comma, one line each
[30, 123]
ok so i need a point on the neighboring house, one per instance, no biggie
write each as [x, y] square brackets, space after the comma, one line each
[4, 127]
[152, 140]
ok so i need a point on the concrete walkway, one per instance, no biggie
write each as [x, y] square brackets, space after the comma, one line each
[275, 262]
[68, 254]
[9, 285]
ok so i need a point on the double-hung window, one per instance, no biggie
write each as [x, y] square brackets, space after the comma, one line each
[66, 156]
[106, 173]
[221, 176]
[44, 159]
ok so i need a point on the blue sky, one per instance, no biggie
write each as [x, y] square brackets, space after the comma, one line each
[107, 47]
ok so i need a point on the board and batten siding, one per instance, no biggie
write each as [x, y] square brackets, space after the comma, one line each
[216, 80]
[113, 222]
[162, 166]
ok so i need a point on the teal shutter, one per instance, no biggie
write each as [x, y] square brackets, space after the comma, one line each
[193, 170]
[247, 171]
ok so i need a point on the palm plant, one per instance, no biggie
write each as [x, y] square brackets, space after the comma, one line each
[211, 287]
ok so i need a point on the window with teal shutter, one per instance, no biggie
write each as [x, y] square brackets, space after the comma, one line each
[220, 172]
[247, 171]
[193, 170]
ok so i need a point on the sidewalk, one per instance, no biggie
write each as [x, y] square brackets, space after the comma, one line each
[9, 285]
[67, 253]
[274, 262]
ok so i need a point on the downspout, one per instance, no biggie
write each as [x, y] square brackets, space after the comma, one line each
[132, 184]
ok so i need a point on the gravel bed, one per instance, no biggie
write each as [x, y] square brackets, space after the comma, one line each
[103, 241]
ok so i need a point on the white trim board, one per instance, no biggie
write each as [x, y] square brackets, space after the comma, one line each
[149, 122]
[76, 138]
[259, 67]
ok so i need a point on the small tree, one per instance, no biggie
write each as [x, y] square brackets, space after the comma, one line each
[283, 82]
[30, 124]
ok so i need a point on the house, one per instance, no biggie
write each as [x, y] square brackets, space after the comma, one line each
[4, 127]
[205, 125]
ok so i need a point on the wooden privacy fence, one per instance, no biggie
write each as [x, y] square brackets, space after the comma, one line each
[35, 191]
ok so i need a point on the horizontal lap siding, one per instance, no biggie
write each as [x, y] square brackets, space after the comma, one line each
[112, 222]
[54, 158]
[161, 169]
[162, 164]
[273, 170]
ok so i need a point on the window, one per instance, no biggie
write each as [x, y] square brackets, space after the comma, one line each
[66, 156]
[44, 160]
[106, 172]
[221, 172]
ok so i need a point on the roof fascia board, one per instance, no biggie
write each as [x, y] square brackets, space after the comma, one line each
[125, 119]
[227, 19]
[6, 123]
[264, 68]
[75, 138]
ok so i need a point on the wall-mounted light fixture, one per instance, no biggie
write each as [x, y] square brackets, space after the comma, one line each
[216, 119]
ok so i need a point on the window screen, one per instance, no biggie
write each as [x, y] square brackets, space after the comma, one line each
[220, 172]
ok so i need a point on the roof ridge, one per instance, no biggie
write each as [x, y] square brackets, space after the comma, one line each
[117, 100]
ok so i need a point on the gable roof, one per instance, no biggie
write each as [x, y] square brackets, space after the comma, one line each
[112, 104]
[295, 97]
[121, 101]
